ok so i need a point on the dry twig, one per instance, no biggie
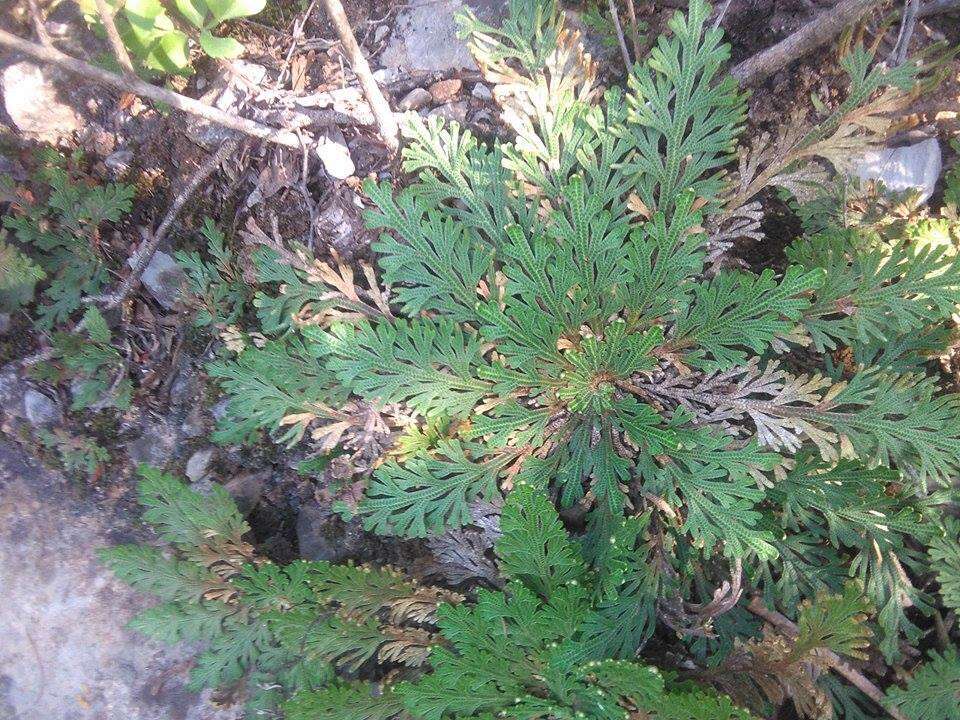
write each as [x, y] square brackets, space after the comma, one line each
[146, 252]
[836, 663]
[620, 40]
[908, 22]
[135, 85]
[389, 130]
[819, 31]
[935, 7]
[36, 17]
[116, 44]
[634, 31]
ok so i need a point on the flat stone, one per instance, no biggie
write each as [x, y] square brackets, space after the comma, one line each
[415, 99]
[155, 446]
[33, 99]
[482, 92]
[424, 38]
[198, 465]
[163, 278]
[445, 90]
[40, 410]
[247, 489]
[456, 112]
[6, 323]
[66, 652]
[335, 155]
[911, 167]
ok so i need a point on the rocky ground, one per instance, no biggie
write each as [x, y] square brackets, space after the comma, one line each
[66, 654]
[64, 651]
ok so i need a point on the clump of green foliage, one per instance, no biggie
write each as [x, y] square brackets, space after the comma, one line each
[58, 233]
[559, 317]
[90, 362]
[77, 454]
[156, 39]
[560, 307]
[19, 276]
[932, 692]
[296, 635]
[215, 285]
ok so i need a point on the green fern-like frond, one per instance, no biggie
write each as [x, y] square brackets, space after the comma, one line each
[944, 553]
[932, 692]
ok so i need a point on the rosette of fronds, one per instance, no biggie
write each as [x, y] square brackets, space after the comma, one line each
[547, 311]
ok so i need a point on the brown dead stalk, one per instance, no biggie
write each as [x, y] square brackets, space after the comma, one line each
[819, 31]
[116, 44]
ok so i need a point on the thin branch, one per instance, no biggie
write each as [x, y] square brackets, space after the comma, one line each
[935, 7]
[819, 31]
[145, 253]
[389, 130]
[135, 85]
[908, 22]
[36, 17]
[634, 31]
[836, 663]
[721, 14]
[619, 29]
[116, 44]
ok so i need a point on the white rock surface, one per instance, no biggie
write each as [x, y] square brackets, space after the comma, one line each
[909, 167]
[415, 99]
[65, 650]
[198, 466]
[40, 410]
[333, 152]
[424, 38]
[34, 100]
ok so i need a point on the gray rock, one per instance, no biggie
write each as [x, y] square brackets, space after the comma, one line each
[415, 99]
[219, 411]
[40, 410]
[163, 278]
[451, 111]
[322, 535]
[11, 390]
[67, 653]
[247, 489]
[119, 161]
[155, 446]
[911, 167]
[424, 38]
[6, 323]
[33, 99]
[482, 92]
[198, 465]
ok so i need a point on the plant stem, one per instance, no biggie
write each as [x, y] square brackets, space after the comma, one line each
[838, 665]
[116, 44]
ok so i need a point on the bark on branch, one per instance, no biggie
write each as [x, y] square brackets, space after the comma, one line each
[819, 31]
[389, 130]
[139, 87]
[836, 663]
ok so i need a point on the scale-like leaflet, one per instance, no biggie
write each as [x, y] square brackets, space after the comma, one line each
[429, 493]
[685, 113]
[429, 364]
